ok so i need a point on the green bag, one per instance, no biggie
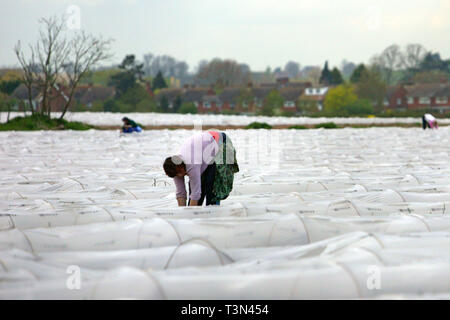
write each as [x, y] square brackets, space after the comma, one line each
[225, 170]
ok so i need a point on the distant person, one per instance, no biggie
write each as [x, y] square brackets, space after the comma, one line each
[130, 126]
[428, 121]
[209, 160]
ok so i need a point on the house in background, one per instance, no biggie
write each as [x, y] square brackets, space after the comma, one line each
[428, 96]
[283, 82]
[58, 96]
[395, 98]
[230, 99]
[170, 94]
[209, 103]
[290, 97]
[194, 95]
[313, 98]
[259, 97]
[245, 100]
[89, 94]
[21, 94]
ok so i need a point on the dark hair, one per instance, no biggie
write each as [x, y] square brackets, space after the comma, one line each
[170, 165]
[125, 119]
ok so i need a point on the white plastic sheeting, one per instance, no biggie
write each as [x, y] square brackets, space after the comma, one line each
[158, 119]
[313, 214]
[272, 273]
[224, 233]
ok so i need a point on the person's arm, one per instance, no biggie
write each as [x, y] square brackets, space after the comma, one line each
[196, 186]
[181, 190]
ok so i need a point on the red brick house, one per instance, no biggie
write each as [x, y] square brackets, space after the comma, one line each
[395, 98]
[244, 100]
[230, 99]
[89, 94]
[283, 82]
[195, 96]
[428, 96]
[59, 95]
[58, 98]
[313, 99]
[290, 98]
[21, 93]
[259, 97]
[170, 94]
[209, 103]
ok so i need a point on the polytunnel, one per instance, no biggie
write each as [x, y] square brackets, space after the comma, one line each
[289, 229]
[312, 214]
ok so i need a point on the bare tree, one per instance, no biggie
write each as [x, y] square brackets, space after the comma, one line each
[312, 73]
[30, 71]
[51, 51]
[347, 68]
[292, 69]
[86, 52]
[413, 56]
[148, 58]
[55, 54]
[44, 65]
[388, 61]
[223, 73]
[169, 67]
[201, 64]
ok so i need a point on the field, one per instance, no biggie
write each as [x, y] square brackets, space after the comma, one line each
[108, 119]
[314, 214]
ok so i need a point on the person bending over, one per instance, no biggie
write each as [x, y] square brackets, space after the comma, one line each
[429, 121]
[209, 160]
[129, 125]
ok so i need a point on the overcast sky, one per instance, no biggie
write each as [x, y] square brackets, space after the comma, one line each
[260, 33]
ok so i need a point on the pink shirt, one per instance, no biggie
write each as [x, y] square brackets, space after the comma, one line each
[197, 153]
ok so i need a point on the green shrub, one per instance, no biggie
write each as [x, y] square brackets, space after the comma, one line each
[360, 107]
[299, 127]
[75, 125]
[146, 105]
[417, 113]
[258, 125]
[230, 112]
[41, 122]
[288, 114]
[188, 108]
[272, 104]
[110, 105]
[97, 107]
[79, 107]
[326, 125]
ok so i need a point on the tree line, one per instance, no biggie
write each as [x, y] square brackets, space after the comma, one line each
[57, 58]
